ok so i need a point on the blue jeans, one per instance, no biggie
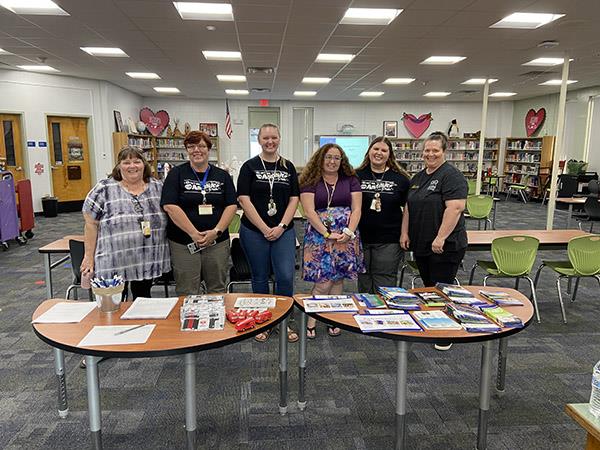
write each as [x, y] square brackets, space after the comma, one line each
[262, 255]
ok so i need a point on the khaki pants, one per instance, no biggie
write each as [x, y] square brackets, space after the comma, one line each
[209, 265]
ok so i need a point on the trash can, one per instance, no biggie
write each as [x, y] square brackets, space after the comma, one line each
[50, 206]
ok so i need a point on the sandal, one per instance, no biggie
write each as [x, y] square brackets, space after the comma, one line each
[311, 332]
[333, 331]
[292, 336]
[263, 337]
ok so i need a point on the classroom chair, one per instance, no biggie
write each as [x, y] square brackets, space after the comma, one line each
[234, 226]
[76, 252]
[411, 266]
[519, 188]
[592, 210]
[472, 185]
[513, 257]
[479, 208]
[584, 262]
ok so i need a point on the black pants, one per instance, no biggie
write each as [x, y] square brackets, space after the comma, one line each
[439, 268]
[139, 288]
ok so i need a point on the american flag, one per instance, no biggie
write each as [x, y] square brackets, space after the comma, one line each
[228, 129]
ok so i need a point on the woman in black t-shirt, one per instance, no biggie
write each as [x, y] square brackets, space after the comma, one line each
[434, 226]
[384, 186]
[268, 192]
[199, 199]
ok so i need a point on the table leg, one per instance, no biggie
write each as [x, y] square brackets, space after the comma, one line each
[59, 369]
[484, 394]
[48, 270]
[501, 374]
[494, 214]
[190, 399]
[283, 366]
[569, 216]
[93, 391]
[302, 362]
[402, 355]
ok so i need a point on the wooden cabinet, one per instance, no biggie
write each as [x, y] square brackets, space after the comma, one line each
[528, 160]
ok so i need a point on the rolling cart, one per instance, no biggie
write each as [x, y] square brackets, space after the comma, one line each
[25, 209]
[9, 222]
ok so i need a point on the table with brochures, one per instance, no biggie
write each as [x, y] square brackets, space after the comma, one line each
[404, 339]
[165, 338]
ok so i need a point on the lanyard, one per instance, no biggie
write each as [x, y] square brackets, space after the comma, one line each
[329, 196]
[270, 178]
[202, 183]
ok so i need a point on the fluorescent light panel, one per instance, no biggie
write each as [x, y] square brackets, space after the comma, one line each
[305, 93]
[399, 81]
[167, 90]
[371, 94]
[234, 78]
[369, 16]
[437, 94]
[556, 82]
[503, 94]
[443, 60]
[316, 80]
[334, 57]
[204, 11]
[110, 52]
[236, 91]
[526, 21]
[545, 62]
[34, 7]
[217, 55]
[143, 75]
[38, 68]
[479, 81]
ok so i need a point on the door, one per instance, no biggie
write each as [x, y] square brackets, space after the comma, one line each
[69, 157]
[302, 135]
[11, 145]
[256, 118]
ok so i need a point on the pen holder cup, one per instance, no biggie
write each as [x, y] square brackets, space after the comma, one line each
[108, 299]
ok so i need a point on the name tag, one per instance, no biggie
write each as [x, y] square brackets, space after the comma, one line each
[145, 226]
[205, 210]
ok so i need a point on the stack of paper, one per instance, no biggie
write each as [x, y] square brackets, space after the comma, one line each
[117, 335]
[67, 312]
[150, 308]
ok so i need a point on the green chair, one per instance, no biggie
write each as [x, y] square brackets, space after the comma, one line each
[519, 188]
[411, 265]
[584, 262]
[492, 184]
[234, 226]
[479, 208]
[472, 185]
[513, 257]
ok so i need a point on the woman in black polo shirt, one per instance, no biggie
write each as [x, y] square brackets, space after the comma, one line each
[434, 226]
[200, 200]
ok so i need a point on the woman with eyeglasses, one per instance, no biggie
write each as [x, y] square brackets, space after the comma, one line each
[199, 199]
[125, 227]
[331, 197]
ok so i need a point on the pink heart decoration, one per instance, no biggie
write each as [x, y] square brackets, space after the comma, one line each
[155, 123]
[417, 125]
[534, 120]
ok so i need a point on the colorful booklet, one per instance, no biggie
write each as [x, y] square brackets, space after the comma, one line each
[374, 312]
[432, 299]
[472, 319]
[501, 298]
[329, 306]
[453, 290]
[392, 322]
[436, 320]
[502, 317]
[471, 301]
[370, 300]
[400, 298]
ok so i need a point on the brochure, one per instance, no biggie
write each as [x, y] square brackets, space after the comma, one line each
[392, 322]
[501, 298]
[502, 317]
[472, 301]
[436, 320]
[329, 306]
[432, 299]
[453, 290]
[472, 319]
[255, 302]
[370, 300]
[383, 311]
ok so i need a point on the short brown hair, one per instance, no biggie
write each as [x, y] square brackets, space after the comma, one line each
[131, 152]
[195, 137]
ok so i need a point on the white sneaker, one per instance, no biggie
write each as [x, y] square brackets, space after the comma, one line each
[442, 348]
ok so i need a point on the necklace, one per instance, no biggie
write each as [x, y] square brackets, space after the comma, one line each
[271, 206]
[329, 215]
[376, 202]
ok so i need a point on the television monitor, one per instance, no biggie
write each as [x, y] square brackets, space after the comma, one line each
[355, 146]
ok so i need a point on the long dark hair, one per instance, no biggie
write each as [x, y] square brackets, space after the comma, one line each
[391, 163]
[131, 152]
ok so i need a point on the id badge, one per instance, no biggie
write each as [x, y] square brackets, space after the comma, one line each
[145, 226]
[205, 210]
[193, 248]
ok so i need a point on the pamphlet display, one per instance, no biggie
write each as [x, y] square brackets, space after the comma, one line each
[390, 322]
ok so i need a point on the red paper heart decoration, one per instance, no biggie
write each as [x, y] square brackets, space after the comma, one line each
[417, 126]
[155, 123]
[534, 120]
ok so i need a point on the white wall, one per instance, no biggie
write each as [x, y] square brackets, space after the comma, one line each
[594, 155]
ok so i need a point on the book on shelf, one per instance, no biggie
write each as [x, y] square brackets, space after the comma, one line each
[502, 317]
[501, 298]
[329, 305]
[370, 300]
[392, 322]
[436, 320]
[472, 319]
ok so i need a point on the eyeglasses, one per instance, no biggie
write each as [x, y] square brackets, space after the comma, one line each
[197, 146]
[137, 206]
[333, 157]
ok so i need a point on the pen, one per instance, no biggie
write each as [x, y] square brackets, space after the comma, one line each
[127, 330]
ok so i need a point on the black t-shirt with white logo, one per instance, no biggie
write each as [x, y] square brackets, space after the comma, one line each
[183, 187]
[382, 227]
[254, 182]
[426, 206]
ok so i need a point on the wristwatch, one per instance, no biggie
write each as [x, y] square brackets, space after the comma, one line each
[348, 232]
[283, 225]
[219, 232]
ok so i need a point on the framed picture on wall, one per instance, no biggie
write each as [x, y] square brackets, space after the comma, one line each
[118, 121]
[209, 128]
[390, 128]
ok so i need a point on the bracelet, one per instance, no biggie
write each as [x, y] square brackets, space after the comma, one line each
[327, 234]
[348, 232]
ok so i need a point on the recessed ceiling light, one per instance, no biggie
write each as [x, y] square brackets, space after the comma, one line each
[4, 52]
[204, 11]
[143, 75]
[479, 81]
[556, 82]
[305, 93]
[503, 94]
[527, 21]
[334, 57]
[443, 60]
[236, 91]
[222, 56]
[545, 62]
[371, 94]
[316, 80]
[167, 90]
[38, 7]
[399, 81]
[111, 52]
[369, 16]
[235, 78]
[437, 94]
[38, 68]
